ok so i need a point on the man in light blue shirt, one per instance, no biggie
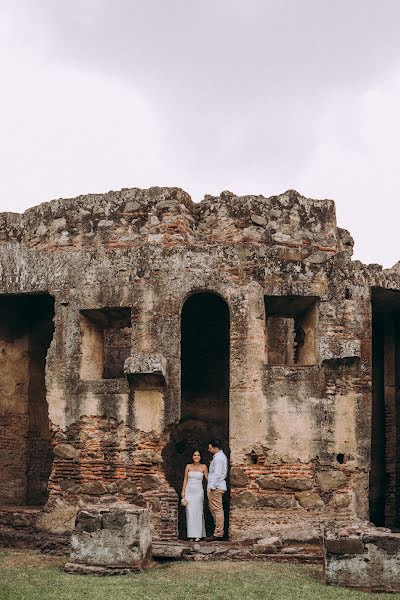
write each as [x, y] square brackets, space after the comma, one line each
[216, 487]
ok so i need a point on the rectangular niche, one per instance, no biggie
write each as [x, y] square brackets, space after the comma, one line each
[291, 330]
[105, 342]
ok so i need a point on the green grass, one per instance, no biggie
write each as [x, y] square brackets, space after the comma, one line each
[28, 575]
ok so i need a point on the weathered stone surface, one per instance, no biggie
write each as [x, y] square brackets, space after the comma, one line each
[331, 480]
[132, 206]
[368, 560]
[244, 500]
[148, 364]
[150, 482]
[258, 220]
[148, 457]
[390, 544]
[127, 486]
[268, 482]
[119, 538]
[115, 519]
[66, 451]
[140, 500]
[167, 551]
[299, 484]
[112, 487]
[60, 520]
[23, 520]
[297, 533]
[94, 488]
[88, 521]
[340, 501]
[268, 545]
[91, 499]
[238, 477]
[345, 546]
[309, 500]
[277, 501]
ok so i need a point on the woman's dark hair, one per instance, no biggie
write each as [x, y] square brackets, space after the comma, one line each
[216, 443]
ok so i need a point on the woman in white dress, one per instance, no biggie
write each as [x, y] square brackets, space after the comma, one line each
[193, 497]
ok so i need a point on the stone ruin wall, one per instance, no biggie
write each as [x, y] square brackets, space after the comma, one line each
[126, 262]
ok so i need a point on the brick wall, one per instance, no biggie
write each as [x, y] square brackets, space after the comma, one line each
[102, 461]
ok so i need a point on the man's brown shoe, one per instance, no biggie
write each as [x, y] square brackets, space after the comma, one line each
[214, 538]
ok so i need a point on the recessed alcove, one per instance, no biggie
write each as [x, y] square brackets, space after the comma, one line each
[291, 330]
[105, 342]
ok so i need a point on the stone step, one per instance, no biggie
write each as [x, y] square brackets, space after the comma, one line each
[232, 551]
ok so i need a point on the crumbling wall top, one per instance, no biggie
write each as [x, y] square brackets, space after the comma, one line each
[169, 217]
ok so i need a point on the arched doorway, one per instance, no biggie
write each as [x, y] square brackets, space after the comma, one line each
[204, 388]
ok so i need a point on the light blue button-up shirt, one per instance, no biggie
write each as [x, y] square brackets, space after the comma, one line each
[218, 472]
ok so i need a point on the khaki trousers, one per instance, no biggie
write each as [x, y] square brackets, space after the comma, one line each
[217, 511]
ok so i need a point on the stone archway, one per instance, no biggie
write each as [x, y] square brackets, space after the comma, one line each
[205, 342]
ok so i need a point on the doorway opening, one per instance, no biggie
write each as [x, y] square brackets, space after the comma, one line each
[205, 346]
[384, 491]
[26, 456]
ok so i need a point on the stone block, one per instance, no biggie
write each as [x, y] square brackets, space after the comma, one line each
[244, 500]
[127, 486]
[150, 482]
[298, 533]
[146, 364]
[277, 501]
[340, 501]
[114, 519]
[59, 520]
[238, 477]
[168, 551]
[113, 539]
[258, 219]
[87, 521]
[21, 521]
[309, 500]
[66, 451]
[299, 484]
[345, 546]
[390, 544]
[93, 488]
[268, 482]
[269, 545]
[131, 206]
[369, 560]
[331, 480]
[112, 487]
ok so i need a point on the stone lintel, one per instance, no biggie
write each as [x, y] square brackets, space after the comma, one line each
[146, 364]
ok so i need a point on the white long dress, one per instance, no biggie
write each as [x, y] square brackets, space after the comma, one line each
[194, 494]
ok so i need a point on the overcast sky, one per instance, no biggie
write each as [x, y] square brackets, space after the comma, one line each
[252, 96]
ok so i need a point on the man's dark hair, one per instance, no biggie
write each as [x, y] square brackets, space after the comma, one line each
[216, 443]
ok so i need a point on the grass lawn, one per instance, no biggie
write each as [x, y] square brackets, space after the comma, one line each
[28, 575]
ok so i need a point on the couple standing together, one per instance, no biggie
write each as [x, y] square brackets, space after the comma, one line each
[193, 492]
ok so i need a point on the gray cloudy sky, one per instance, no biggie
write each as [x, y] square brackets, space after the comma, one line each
[254, 96]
